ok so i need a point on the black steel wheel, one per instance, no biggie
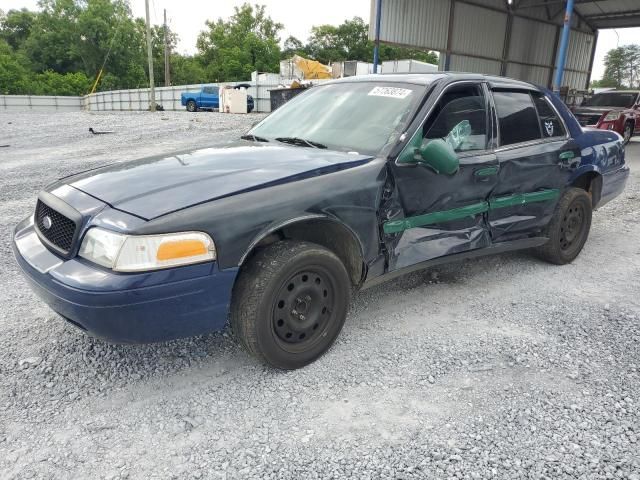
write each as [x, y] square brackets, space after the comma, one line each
[290, 303]
[191, 106]
[303, 308]
[627, 132]
[568, 229]
[572, 226]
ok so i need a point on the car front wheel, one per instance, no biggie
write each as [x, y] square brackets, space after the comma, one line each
[290, 303]
[568, 229]
[191, 106]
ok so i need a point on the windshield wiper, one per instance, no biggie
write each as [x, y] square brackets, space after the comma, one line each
[300, 142]
[253, 138]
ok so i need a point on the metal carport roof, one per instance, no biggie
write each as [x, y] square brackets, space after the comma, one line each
[516, 38]
[600, 14]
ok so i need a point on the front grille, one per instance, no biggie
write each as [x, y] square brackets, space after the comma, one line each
[61, 229]
[588, 119]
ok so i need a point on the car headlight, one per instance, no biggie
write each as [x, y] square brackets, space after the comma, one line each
[136, 253]
[612, 116]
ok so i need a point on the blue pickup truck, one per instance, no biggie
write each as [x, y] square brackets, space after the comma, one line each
[208, 98]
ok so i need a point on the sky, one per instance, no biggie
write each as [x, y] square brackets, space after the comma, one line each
[186, 18]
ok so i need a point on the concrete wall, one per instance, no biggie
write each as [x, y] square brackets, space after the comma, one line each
[40, 103]
[127, 100]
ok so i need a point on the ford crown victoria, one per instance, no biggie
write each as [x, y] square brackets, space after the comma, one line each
[350, 184]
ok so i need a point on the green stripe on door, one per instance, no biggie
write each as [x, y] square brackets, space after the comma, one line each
[522, 199]
[396, 226]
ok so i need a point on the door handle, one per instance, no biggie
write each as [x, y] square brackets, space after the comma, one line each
[484, 172]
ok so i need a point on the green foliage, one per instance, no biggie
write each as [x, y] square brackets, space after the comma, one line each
[349, 41]
[187, 70]
[248, 41]
[60, 49]
[622, 68]
[14, 75]
[54, 83]
[293, 46]
[16, 26]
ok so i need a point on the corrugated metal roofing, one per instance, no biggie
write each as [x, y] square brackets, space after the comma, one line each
[461, 63]
[610, 13]
[480, 29]
[526, 34]
[415, 22]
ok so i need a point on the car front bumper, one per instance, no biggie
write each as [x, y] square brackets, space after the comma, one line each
[126, 308]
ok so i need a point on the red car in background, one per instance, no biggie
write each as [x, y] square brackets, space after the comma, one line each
[617, 110]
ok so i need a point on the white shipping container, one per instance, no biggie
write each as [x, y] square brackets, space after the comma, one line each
[408, 66]
[350, 68]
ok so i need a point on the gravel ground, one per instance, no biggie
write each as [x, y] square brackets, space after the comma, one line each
[501, 367]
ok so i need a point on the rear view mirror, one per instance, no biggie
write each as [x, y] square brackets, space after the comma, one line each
[439, 156]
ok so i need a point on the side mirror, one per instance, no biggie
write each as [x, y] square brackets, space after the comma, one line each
[439, 156]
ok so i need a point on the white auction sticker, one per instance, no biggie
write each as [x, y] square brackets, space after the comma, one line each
[393, 92]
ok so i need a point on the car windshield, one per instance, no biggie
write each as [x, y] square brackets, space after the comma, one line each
[353, 116]
[611, 99]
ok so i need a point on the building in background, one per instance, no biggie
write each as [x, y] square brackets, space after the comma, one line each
[514, 38]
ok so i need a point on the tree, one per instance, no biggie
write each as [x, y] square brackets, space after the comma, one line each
[14, 75]
[187, 70]
[230, 50]
[293, 46]
[15, 27]
[350, 41]
[622, 67]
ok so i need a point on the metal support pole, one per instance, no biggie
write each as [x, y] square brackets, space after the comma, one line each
[447, 55]
[376, 48]
[591, 59]
[152, 106]
[564, 46]
[167, 70]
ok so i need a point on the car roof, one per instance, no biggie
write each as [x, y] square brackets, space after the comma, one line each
[427, 78]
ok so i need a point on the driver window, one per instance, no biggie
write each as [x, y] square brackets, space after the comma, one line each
[460, 118]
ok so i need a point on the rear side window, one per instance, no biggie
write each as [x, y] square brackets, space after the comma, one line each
[517, 117]
[550, 124]
[211, 90]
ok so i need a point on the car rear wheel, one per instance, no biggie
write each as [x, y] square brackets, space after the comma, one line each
[290, 303]
[191, 106]
[628, 132]
[568, 229]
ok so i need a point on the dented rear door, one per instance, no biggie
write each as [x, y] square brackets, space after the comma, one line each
[536, 158]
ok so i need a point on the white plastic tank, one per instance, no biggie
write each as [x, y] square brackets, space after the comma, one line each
[233, 100]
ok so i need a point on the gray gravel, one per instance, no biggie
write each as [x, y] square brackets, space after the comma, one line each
[502, 367]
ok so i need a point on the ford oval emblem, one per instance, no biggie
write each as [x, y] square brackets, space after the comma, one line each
[46, 222]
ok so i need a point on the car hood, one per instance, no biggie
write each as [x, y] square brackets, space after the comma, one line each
[155, 186]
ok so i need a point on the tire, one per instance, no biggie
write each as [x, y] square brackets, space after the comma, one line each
[627, 132]
[289, 303]
[568, 229]
[191, 106]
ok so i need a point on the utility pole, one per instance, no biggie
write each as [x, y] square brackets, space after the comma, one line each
[150, 55]
[167, 72]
